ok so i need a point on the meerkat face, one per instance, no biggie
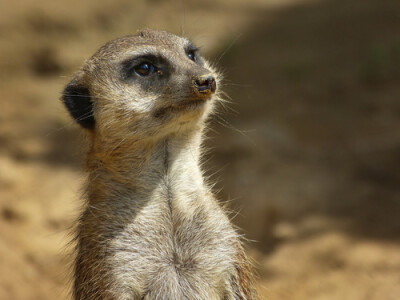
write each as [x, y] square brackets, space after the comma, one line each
[150, 83]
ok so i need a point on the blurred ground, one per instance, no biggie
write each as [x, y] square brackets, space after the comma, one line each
[310, 160]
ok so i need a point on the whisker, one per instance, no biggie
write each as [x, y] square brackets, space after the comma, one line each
[228, 48]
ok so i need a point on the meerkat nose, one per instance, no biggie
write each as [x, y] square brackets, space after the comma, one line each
[206, 84]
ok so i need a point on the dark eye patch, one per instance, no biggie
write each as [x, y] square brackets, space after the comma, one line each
[144, 69]
[142, 66]
[191, 52]
[192, 55]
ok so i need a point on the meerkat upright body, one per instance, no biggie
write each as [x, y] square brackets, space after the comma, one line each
[151, 228]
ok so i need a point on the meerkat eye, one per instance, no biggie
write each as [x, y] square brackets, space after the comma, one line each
[192, 55]
[144, 69]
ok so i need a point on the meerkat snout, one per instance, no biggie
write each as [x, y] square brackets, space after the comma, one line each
[206, 84]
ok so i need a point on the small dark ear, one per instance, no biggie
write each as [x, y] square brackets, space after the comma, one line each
[78, 101]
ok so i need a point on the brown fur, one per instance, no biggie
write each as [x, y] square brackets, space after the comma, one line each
[151, 228]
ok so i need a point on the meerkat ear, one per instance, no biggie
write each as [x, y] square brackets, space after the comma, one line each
[78, 100]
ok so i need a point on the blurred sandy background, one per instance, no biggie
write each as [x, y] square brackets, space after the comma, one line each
[308, 153]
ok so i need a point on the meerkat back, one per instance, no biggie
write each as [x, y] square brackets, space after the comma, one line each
[151, 228]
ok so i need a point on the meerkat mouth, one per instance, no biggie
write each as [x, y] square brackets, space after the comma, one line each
[185, 106]
[190, 104]
[203, 87]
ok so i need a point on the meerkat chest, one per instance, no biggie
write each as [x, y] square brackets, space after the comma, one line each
[173, 245]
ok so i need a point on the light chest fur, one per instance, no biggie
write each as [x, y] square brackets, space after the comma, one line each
[165, 242]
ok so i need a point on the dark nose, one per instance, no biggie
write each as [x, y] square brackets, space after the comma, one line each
[205, 84]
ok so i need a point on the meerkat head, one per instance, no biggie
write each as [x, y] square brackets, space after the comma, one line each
[152, 83]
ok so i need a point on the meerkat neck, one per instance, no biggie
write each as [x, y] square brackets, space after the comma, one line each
[143, 166]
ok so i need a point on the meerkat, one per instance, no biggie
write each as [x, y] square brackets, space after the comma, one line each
[151, 227]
